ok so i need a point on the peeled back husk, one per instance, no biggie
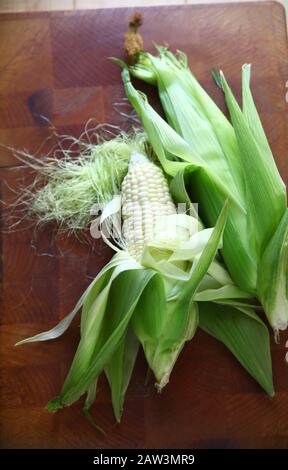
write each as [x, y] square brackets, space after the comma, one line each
[228, 160]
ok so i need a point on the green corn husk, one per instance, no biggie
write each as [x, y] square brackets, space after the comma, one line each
[108, 337]
[265, 191]
[241, 262]
[273, 276]
[226, 160]
[158, 308]
[266, 200]
[241, 330]
[119, 369]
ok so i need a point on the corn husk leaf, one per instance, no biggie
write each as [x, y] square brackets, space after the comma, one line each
[220, 274]
[253, 121]
[176, 156]
[85, 301]
[220, 293]
[273, 277]
[176, 82]
[205, 128]
[164, 326]
[265, 191]
[90, 398]
[244, 334]
[240, 263]
[167, 144]
[91, 395]
[120, 368]
[104, 328]
[239, 153]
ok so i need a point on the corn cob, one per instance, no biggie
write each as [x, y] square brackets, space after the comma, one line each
[145, 199]
[146, 296]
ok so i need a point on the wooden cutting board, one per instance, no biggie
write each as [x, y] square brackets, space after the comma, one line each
[54, 65]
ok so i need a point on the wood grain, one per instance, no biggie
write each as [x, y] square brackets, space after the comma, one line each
[52, 5]
[54, 69]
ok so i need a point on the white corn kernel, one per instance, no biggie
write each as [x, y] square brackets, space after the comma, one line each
[145, 199]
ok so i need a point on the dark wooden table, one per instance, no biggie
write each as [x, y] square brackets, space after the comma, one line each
[55, 65]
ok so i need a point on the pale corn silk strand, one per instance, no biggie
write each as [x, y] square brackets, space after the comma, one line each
[69, 180]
